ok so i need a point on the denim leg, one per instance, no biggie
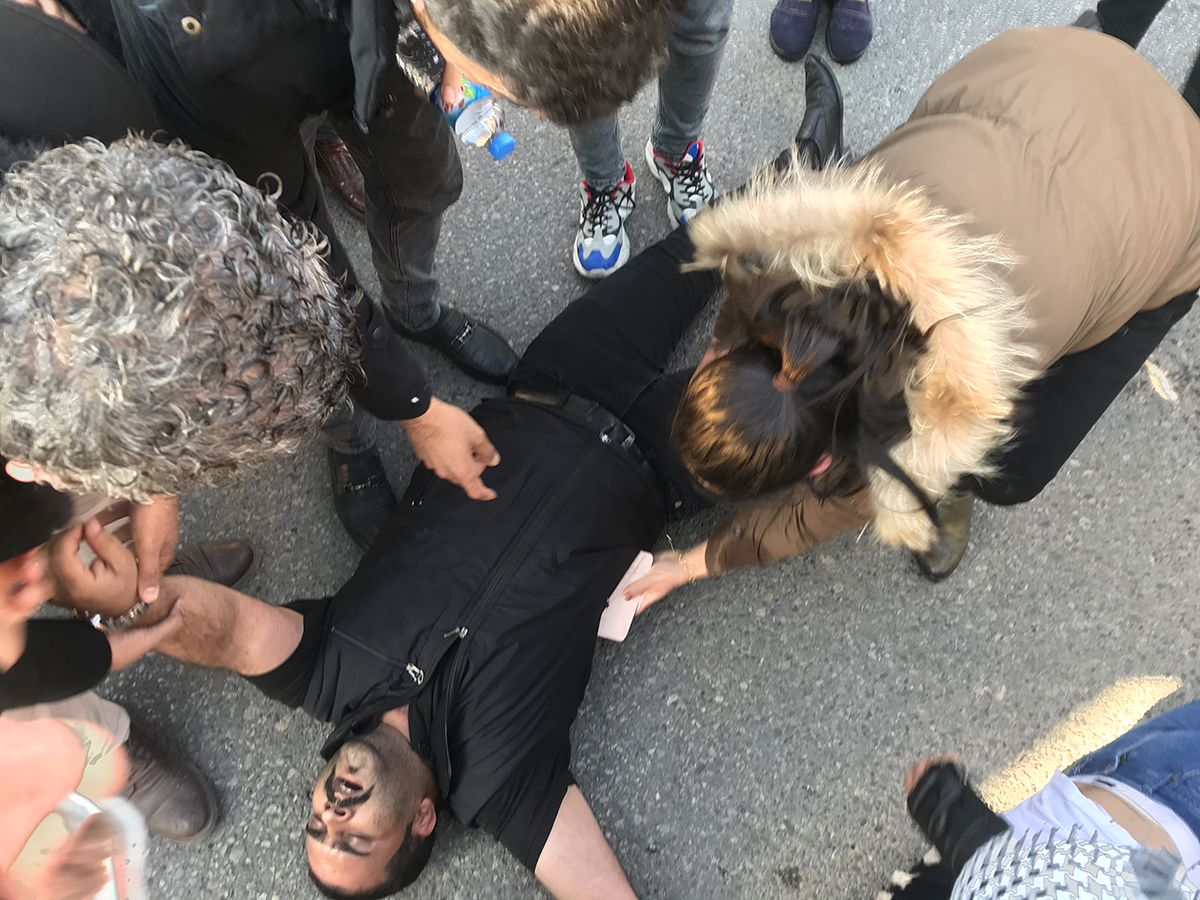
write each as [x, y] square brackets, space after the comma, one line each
[597, 147]
[696, 46]
[1160, 758]
[412, 174]
[351, 429]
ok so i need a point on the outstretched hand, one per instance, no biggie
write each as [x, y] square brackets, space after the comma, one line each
[454, 447]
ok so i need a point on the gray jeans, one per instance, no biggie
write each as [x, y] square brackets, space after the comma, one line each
[696, 45]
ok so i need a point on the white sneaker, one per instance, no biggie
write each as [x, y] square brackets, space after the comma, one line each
[601, 246]
[688, 185]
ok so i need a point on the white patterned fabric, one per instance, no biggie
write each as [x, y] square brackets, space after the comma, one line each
[1011, 867]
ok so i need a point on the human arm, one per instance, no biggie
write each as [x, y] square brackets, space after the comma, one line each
[391, 386]
[754, 536]
[221, 628]
[953, 817]
[577, 863]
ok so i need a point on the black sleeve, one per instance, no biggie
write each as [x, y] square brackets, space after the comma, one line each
[62, 658]
[288, 682]
[521, 814]
[393, 385]
[952, 816]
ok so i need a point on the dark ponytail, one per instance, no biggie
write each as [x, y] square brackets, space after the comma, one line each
[822, 373]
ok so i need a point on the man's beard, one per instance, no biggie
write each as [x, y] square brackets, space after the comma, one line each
[400, 775]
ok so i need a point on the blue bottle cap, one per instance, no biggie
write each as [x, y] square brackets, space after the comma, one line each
[501, 145]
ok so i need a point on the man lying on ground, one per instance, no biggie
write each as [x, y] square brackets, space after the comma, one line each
[454, 674]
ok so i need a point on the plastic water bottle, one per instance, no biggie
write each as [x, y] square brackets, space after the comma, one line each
[478, 118]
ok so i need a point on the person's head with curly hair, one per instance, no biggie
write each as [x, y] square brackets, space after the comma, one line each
[570, 60]
[162, 325]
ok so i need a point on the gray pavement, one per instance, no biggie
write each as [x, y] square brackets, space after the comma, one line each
[748, 740]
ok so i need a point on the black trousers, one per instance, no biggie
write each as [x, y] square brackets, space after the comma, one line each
[1129, 20]
[250, 117]
[1060, 409]
[613, 344]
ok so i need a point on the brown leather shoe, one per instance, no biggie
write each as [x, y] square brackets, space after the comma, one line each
[229, 562]
[176, 801]
[954, 516]
[334, 159]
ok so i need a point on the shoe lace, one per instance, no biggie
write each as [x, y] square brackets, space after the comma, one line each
[600, 204]
[689, 175]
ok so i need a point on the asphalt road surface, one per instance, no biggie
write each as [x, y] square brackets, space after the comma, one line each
[749, 739]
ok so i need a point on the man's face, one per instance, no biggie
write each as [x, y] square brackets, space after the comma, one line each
[25, 584]
[362, 809]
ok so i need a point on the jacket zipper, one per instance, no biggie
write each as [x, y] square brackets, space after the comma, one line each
[503, 571]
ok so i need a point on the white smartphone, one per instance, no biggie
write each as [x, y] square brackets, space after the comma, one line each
[618, 615]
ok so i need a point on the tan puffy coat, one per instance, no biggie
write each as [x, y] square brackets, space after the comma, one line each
[1045, 189]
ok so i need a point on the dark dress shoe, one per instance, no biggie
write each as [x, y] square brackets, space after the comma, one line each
[229, 562]
[176, 801]
[793, 25]
[361, 494]
[954, 534]
[471, 345]
[851, 28]
[334, 159]
[820, 134]
[1089, 20]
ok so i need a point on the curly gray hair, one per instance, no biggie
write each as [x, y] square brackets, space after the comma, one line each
[162, 325]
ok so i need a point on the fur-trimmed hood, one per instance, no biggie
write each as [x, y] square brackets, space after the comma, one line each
[825, 228]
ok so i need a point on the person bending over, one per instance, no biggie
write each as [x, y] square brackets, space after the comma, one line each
[891, 325]
[1123, 821]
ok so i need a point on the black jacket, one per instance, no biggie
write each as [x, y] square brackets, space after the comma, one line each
[210, 37]
[492, 607]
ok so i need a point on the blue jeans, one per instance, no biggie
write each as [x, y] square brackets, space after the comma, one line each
[1160, 758]
[696, 45]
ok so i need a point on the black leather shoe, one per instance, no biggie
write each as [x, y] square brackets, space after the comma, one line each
[229, 563]
[954, 534]
[361, 493]
[471, 345]
[820, 134]
[176, 801]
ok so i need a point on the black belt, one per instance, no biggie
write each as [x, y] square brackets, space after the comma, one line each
[612, 430]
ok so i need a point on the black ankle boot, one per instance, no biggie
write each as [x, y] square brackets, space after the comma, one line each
[471, 345]
[361, 494]
[820, 134]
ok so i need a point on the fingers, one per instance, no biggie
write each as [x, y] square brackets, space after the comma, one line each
[78, 869]
[155, 530]
[109, 548]
[132, 644]
[68, 568]
[484, 451]
[474, 486]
